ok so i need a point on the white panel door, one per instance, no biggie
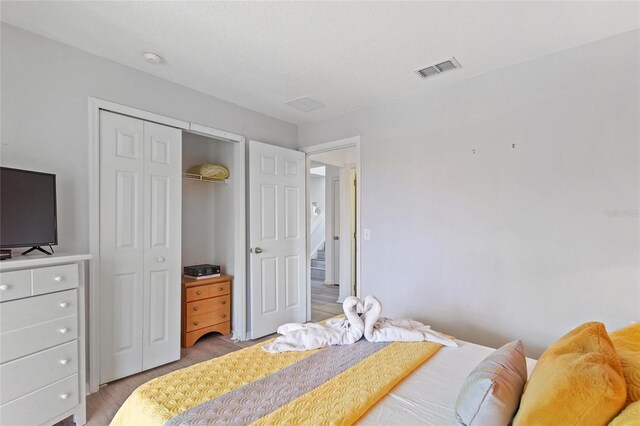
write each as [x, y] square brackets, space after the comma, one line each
[336, 232]
[121, 245]
[277, 237]
[162, 244]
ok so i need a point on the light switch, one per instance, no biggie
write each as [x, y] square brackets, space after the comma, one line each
[366, 234]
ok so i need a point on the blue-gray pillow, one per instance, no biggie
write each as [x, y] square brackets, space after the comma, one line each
[491, 393]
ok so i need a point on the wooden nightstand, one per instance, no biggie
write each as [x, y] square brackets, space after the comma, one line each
[206, 307]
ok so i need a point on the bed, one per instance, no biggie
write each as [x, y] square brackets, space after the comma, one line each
[397, 383]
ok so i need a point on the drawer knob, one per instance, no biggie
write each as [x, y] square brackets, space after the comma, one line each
[221, 288]
[223, 316]
[195, 309]
[4, 287]
[64, 304]
[64, 361]
[224, 302]
[196, 323]
[64, 395]
[57, 279]
[198, 293]
[63, 330]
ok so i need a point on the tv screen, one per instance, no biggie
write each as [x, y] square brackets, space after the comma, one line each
[27, 208]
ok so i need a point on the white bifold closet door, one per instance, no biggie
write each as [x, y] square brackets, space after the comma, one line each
[140, 243]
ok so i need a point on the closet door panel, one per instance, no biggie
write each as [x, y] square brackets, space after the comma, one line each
[162, 244]
[121, 245]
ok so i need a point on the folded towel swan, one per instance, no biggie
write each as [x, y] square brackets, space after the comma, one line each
[381, 329]
[346, 331]
[304, 337]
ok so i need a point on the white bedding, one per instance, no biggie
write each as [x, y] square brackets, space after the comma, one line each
[428, 395]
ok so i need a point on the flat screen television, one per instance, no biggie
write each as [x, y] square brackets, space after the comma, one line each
[27, 209]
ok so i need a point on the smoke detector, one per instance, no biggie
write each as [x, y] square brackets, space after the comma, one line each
[436, 69]
[306, 104]
[152, 58]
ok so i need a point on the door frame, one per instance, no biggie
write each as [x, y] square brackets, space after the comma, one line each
[95, 105]
[353, 141]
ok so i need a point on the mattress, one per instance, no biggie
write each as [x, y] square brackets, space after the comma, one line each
[428, 395]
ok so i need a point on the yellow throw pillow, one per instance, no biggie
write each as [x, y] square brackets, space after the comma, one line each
[627, 344]
[629, 417]
[577, 381]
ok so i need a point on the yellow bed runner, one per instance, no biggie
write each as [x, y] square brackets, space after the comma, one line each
[340, 400]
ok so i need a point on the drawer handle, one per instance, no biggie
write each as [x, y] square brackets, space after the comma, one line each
[221, 288]
[195, 309]
[224, 302]
[64, 304]
[223, 316]
[198, 293]
[4, 287]
[64, 361]
[63, 330]
[64, 395]
[196, 323]
[57, 279]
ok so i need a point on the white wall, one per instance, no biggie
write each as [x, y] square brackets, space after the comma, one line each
[44, 91]
[506, 243]
[317, 195]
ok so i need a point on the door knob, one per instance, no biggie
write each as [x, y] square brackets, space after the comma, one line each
[160, 259]
[257, 250]
[335, 237]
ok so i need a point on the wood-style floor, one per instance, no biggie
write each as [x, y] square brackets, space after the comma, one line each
[103, 405]
[323, 301]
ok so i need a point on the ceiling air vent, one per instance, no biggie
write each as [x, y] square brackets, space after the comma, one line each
[436, 69]
[305, 104]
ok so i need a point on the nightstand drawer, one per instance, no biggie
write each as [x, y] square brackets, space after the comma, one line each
[208, 305]
[197, 293]
[219, 289]
[37, 407]
[32, 372]
[14, 285]
[55, 278]
[206, 320]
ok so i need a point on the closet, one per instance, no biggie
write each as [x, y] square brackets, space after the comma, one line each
[207, 205]
[140, 227]
[154, 219]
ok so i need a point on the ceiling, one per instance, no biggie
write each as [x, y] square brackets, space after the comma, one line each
[347, 55]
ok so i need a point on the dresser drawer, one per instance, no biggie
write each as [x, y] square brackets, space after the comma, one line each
[55, 278]
[38, 407]
[23, 313]
[208, 305]
[25, 341]
[14, 285]
[32, 372]
[206, 320]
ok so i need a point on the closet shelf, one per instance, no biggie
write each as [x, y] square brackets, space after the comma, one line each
[192, 176]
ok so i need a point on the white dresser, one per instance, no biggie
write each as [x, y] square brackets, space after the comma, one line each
[42, 345]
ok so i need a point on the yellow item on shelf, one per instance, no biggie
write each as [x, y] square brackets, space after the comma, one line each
[627, 344]
[210, 171]
[577, 381]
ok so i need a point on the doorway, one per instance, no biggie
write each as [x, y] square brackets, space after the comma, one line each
[333, 197]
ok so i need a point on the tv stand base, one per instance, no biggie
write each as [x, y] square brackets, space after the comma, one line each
[37, 248]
